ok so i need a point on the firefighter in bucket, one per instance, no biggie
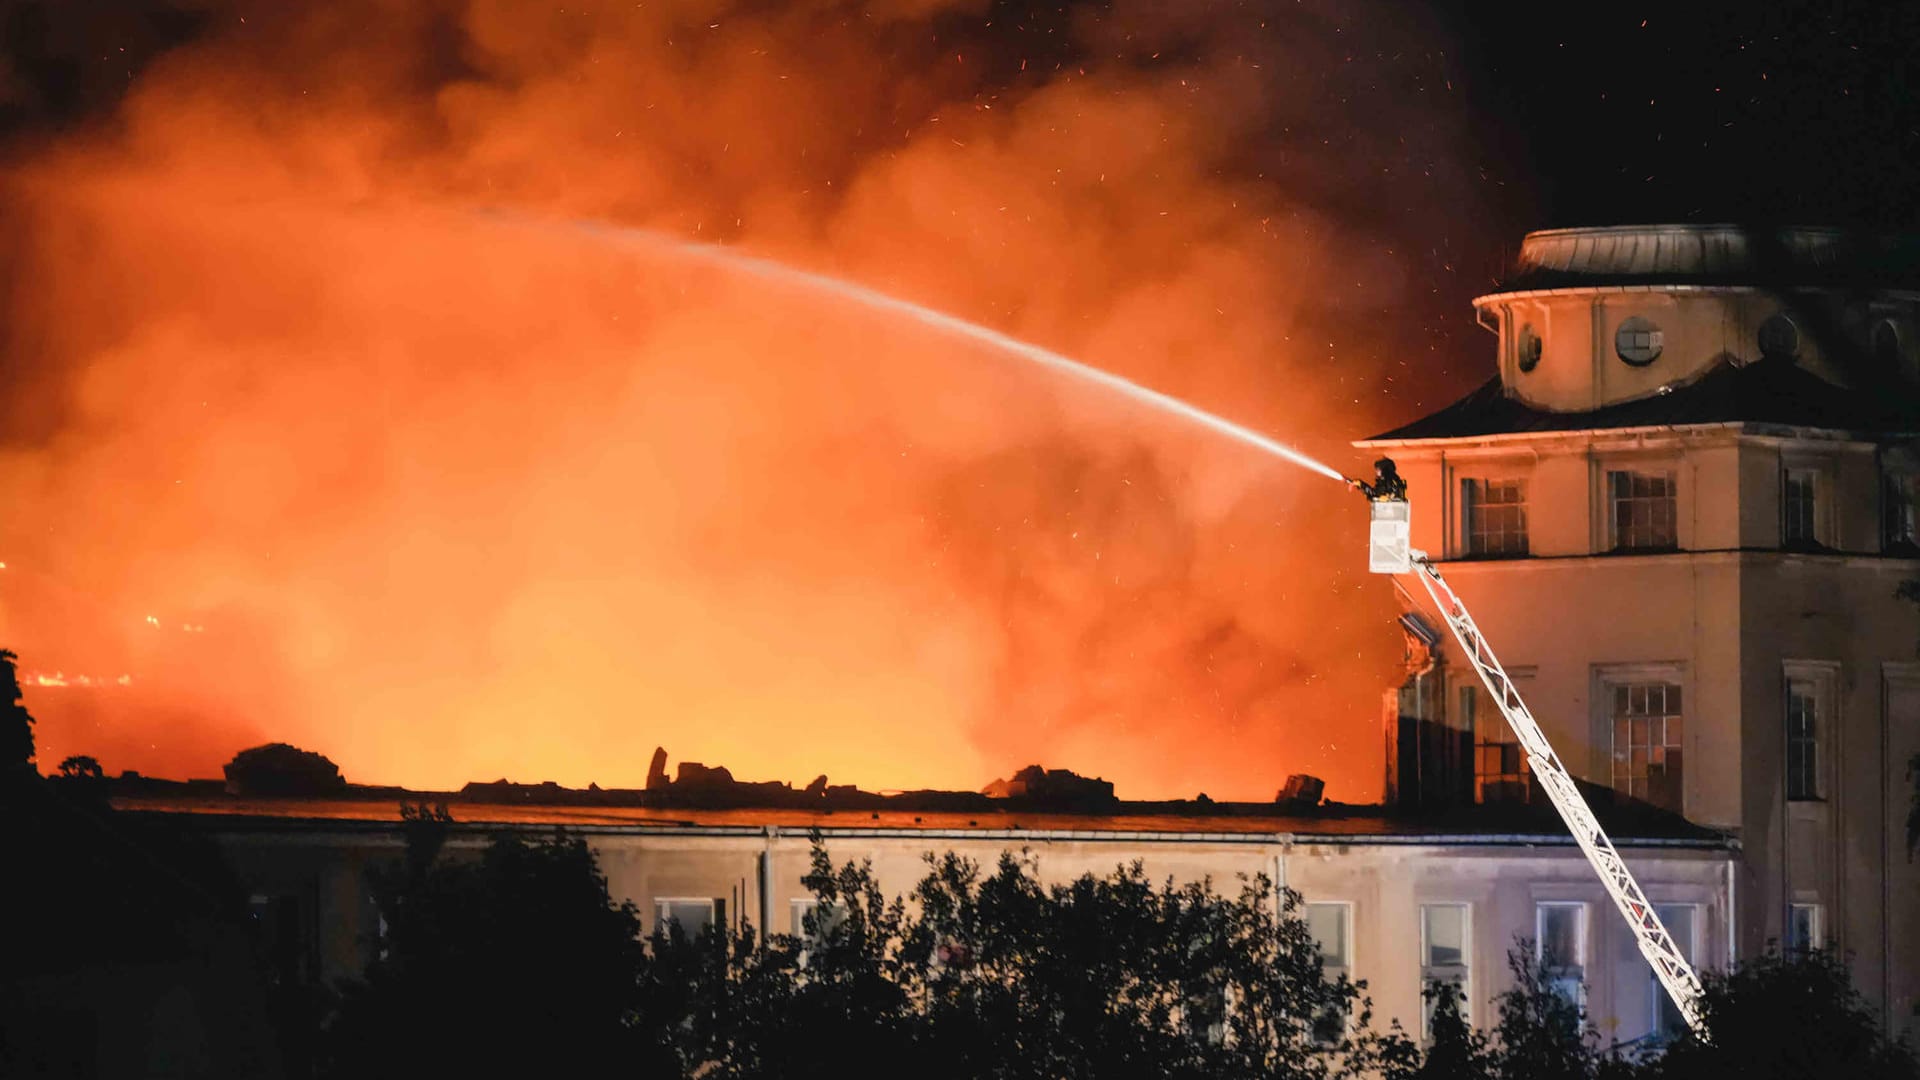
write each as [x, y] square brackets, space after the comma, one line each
[1390, 532]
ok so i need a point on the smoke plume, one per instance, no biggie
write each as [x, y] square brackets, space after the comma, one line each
[341, 412]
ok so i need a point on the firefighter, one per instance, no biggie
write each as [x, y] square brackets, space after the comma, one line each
[1387, 484]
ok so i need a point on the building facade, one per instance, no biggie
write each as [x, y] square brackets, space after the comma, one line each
[1681, 511]
[1392, 902]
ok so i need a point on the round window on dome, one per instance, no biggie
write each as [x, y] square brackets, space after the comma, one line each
[1779, 338]
[1886, 343]
[1530, 347]
[1638, 341]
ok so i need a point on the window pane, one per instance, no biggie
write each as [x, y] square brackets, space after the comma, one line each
[1643, 510]
[1648, 734]
[694, 916]
[1803, 927]
[1495, 516]
[1328, 925]
[1901, 524]
[1797, 508]
[1559, 927]
[1446, 929]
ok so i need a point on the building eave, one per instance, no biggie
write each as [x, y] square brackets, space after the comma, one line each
[339, 832]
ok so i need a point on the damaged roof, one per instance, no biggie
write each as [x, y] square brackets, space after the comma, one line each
[1629, 823]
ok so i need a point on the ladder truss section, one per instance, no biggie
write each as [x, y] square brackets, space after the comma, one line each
[1670, 966]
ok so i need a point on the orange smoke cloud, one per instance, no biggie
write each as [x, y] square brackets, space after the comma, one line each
[406, 469]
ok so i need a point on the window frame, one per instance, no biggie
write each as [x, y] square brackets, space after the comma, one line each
[1816, 930]
[1516, 784]
[1654, 346]
[1666, 469]
[1461, 973]
[1820, 510]
[1345, 908]
[1659, 1002]
[716, 914]
[1823, 677]
[1333, 972]
[1471, 504]
[1578, 967]
[1608, 678]
[1899, 499]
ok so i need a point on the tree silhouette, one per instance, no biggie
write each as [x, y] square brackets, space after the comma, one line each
[16, 724]
[81, 767]
[1455, 1051]
[998, 975]
[1779, 1017]
[281, 769]
[517, 963]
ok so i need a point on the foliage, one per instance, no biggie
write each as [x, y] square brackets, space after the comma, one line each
[81, 767]
[1455, 1051]
[16, 724]
[1784, 1017]
[518, 962]
[997, 975]
[280, 769]
[1541, 1034]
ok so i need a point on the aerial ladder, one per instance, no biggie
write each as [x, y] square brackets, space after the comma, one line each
[1390, 551]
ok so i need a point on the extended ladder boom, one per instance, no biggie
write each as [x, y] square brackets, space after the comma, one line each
[1669, 965]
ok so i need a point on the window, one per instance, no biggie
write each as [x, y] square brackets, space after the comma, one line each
[1443, 953]
[1331, 924]
[1647, 732]
[1560, 948]
[1499, 766]
[1799, 501]
[1803, 929]
[1680, 921]
[1530, 348]
[799, 910]
[823, 923]
[694, 916]
[1495, 516]
[1638, 341]
[1643, 510]
[1809, 708]
[1779, 339]
[1900, 530]
[1803, 740]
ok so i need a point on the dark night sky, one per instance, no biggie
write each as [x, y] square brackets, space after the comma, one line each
[1715, 111]
[1721, 110]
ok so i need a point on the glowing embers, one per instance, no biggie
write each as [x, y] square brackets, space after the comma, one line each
[62, 679]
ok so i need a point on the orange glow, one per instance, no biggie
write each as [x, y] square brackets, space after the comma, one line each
[320, 448]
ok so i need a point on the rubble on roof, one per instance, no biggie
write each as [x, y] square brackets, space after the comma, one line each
[1039, 785]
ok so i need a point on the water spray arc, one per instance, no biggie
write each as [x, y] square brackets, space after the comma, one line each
[952, 324]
